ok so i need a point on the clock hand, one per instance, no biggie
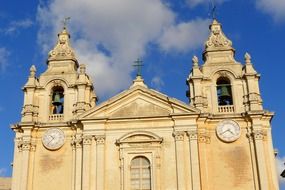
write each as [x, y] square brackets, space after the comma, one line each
[224, 132]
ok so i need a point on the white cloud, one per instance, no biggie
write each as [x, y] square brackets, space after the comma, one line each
[14, 26]
[157, 82]
[280, 167]
[185, 36]
[275, 8]
[4, 54]
[109, 35]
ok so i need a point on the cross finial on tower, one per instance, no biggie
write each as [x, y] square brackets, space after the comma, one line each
[65, 21]
[138, 64]
[213, 8]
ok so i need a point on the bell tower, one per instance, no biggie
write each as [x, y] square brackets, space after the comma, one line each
[62, 91]
[51, 102]
[223, 85]
[238, 129]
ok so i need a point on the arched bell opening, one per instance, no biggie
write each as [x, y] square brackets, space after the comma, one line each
[57, 100]
[224, 92]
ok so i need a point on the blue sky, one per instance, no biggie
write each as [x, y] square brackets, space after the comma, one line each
[109, 35]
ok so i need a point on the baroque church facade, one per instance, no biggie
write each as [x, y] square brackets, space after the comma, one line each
[142, 139]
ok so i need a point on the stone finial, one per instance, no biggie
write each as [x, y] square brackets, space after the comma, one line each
[33, 71]
[82, 68]
[217, 39]
[247, 58]
[248, 65]
[62, 50]
[195, 60]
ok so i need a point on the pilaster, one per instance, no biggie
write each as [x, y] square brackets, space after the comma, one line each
[87, 140]
[100, 141]
[194, 159]
[180, 159]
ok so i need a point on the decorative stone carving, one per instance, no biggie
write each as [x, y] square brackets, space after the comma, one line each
[33, 71]
[26, 146]
[256, 135]
[179, 135]
[62, 50]
[29, 108]
[87, 140]
[195, 60]
[82, 69]
[193, 135]
[204, 138]
[57, 83]
[76, 142]
[200, 101]
[100, 139]
[217, 39]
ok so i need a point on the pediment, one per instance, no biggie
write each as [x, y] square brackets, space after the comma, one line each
[140, 106]
[138, 102]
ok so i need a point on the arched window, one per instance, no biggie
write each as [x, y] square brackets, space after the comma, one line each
[57, 100]
[224, 92]
[140, 174]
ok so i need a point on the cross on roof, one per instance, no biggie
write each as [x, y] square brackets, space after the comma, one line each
[138, 64]
[65, 21]
[213, 9]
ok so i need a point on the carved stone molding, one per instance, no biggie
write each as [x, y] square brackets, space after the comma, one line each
[257, 135]
[193, 135]
[217, 38]
[76, 142]
[100, 139]
[62, 50]
[200, 100]
[19, 143]
[26, 146]
[30, 109]
[204, 138]
[179, 135]
[87, 140]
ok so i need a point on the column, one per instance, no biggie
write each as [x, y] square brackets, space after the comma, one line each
[253, 159]
[204, 139]
[26, 147]
[87, 140]
[258, 137]
[194, 159]
[77, 142]
[180, 166]
[93, 169]
[16, 177]
[100, 140]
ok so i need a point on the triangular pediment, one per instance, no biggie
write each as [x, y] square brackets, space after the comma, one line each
[139, 101]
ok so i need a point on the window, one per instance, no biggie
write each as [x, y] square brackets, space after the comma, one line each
[140, 174]
[224, 92]
[57, 102]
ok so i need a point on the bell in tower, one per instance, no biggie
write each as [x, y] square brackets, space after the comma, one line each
[224, 92]
[57, 102]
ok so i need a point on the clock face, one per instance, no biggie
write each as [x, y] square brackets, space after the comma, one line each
[53, 138]
[228, 131]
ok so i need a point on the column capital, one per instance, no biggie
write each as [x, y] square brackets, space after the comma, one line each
[178, 135]
[192, 134]
[76, 142]
[204, 138]
[100, 139]
[87, 139]
[257, 135]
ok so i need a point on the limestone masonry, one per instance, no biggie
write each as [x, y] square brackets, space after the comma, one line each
[142, 139]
